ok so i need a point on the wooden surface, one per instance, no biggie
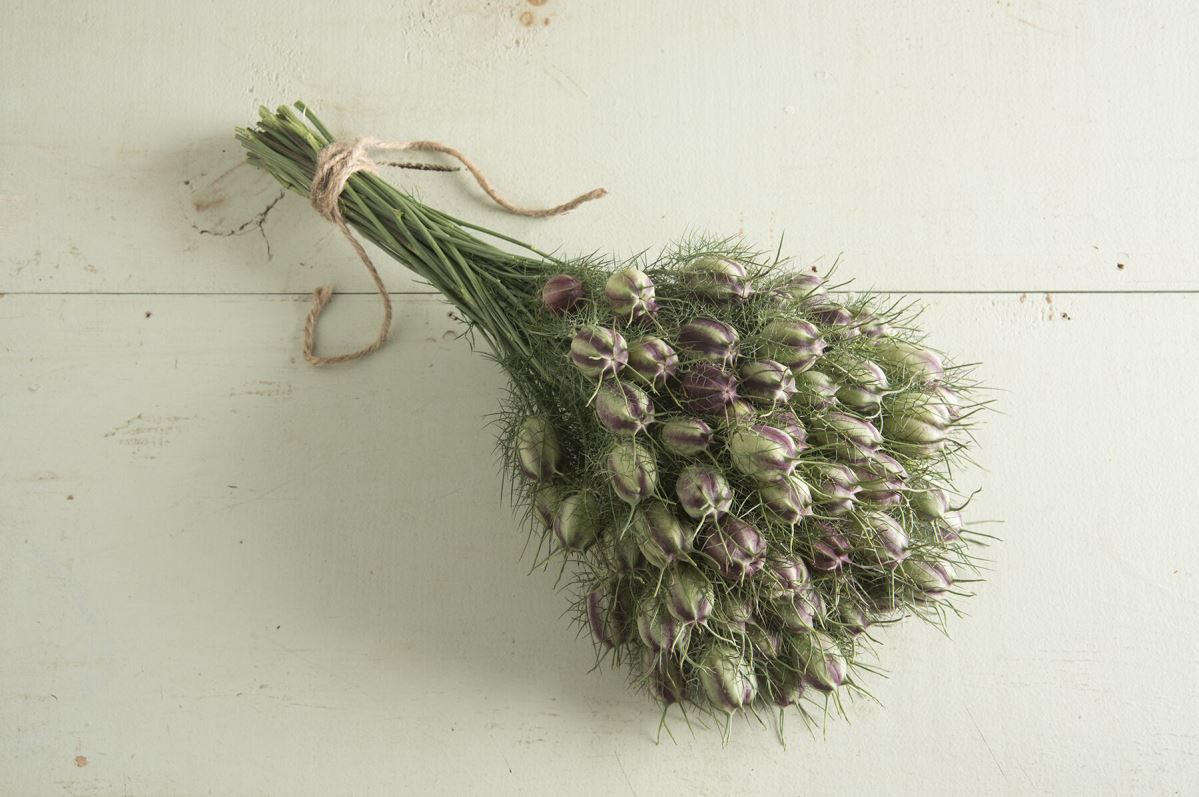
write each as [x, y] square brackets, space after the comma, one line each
[225, 572]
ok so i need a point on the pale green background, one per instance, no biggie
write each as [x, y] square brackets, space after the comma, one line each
[225, 572]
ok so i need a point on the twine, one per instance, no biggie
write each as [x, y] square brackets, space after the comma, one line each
[334, 166]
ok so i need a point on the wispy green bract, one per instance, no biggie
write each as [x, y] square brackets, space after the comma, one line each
[738, 471]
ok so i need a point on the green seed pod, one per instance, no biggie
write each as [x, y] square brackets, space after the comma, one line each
[607, 618]
[930, 503]
[666, 679]
[546, 501]
[537, 448]
[623, 409]
[883, 543]
[932, 579]
[740, 411]
[762, 453]
[767, 382]
[727, 678]
[818, 656]
[661, 631]
[865, 389]
[577, 523]
[789, 498]
[685, 436]
[689, 594]
[799, 609]
[717, 278]
[836, 487]
[848, 436]
[652, 361]
[803, 289]
[795, 344]
[660, 535]
[630, 293]
[853, 618]
[703, 492]
[816, 389]
[916, 425]
[916, 362]
[633, 470]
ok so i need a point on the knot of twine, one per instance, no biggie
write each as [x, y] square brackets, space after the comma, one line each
[335, 164]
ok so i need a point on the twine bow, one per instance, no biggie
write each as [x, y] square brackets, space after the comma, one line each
[335, 164]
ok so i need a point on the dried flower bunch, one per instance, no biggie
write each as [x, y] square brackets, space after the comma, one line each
[741, 471]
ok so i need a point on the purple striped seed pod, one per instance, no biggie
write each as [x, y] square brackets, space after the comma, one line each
[703, 492]
[799, 609]
[786, 688]
[660, 535]
[626, 555]
[816, 389]
[916, 362]
[932, 580]
[871, 325]
[630, 294]
[633, 470]
[847, 435]
[882, 464]
[716, 278]
[689, 595]
[795, 344]
[561, 293]
[762, 453]
[789, 422]
[802, 289]
[840, 323]
[789, 575]
[830, 553]
[736, 547]
[949, 400]
[949, 529]
[916, 424]
[577, 523]
[767, 382]
[727, 678]
[853, 618]
[623, 409]
[709, 389]
[609, 625]
[835, 487]
[666, 679]
[765, 642]
[820, 660]
[546, 501]
[661, 632]
[879, 490]
[884, 542]
[865, 388]
[598, 352]
[685, 436]
[652, 360]
[537, 451]
[789, 499]
[709, 340]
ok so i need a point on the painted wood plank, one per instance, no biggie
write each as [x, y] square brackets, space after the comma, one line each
[977, 146]
[225, 571]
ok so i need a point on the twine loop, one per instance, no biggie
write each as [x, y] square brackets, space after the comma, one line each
[335, 164]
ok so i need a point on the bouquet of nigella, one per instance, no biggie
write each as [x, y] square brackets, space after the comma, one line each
[742, 471]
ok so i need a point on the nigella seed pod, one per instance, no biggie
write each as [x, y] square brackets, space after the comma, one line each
[660, 630]
[802, 289]
[630, 293]
[767, 382]
[598, 352]
[798, 609]
[708, 388]
[577, 523]
[853, 618]
[789, 575]
[537, 449]
[709, 340]
[626, 554]
[765, 643]
[816, 388]
[835, 486]
[932, 579]
[916, 361]
[623, 409]
[880, 490]
[667, 682]
[738, 614]
[561, 293]
[717, 278]
[736, 547]
[763, 453]
[840, 322]
[786, 687]
[865, 389]
[795, 344]
[727, 678]
[818, 656]
[847, 435]
[703, 492]
[871, 325]
[949, 400]
[652, 360]
[916, 424]
[633, 470]
[830, 553]
[885, 543]
[789, 422]
[689, 594]
[546, 501]
[609, 625]
[740, 411]
[882, 465]
[950, 527]
[789, 499]
[660, 535]
[685, 436]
